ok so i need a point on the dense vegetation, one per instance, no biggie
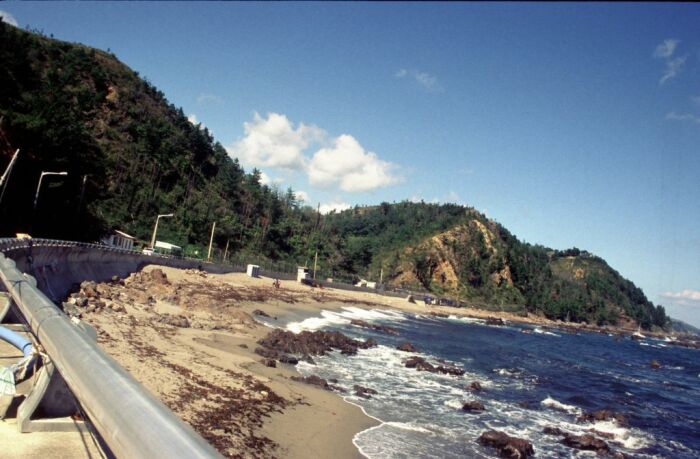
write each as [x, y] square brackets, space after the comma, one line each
[131, 155]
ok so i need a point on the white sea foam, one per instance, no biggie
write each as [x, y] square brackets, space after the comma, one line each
[409, 426]
[454, 403]
[557, 405]
[622, 435]
[342, 317]
[544, 332]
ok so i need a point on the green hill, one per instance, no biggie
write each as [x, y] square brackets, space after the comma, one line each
[131, 155]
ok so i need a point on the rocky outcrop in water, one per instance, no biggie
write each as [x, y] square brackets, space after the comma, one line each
[603, 415]
[375, 327]
[473, 406]
[420, 364]
[494, 321]
[313, 343]
[406, 347]
[507, 446]
[475, 386]
[364, 392]
[585, 442]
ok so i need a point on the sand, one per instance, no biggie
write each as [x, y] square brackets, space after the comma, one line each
[208, 372]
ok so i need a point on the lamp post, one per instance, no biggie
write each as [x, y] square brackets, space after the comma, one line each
[36, 196]
[155, 229]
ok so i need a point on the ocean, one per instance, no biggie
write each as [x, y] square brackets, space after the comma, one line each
[530, 380]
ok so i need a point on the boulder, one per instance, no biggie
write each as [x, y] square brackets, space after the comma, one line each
[507, 446]
[603, 415]
[261, 313]
[406, 347]
[420, 364]
[585, 442]
[174, 320]
[288, 359]
[473, 406]
[272, 363]
[494, 321]
[376, 327]
[363, 392]
[159, 277]
[410, 299]
[549, 430]
[475, 386]
[313, 343]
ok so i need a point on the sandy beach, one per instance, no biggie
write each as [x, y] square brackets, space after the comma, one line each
[190, 338]
[204, 367]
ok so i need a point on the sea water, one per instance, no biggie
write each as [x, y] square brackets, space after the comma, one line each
[530, 381]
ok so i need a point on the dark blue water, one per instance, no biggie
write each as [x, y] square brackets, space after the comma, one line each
[557, 375]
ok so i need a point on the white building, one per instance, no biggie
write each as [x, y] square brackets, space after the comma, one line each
[120, 240]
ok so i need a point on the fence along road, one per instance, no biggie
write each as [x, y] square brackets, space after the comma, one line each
[132, 422]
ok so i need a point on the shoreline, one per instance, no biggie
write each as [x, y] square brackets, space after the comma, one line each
[204, 327]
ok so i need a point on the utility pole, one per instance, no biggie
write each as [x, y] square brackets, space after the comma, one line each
[211, 241]
[226, 250]
[82, 193]
[7, 174]
[315, 260]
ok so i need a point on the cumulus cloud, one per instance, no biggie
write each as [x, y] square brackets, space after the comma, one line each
[347, 164]
[666, 48]
[8, 18]
[267, 180]
[424, 79]
[301, 195]
[685, 297]
[192, 118]
[275, 142]
[333, 206]
[683, 117]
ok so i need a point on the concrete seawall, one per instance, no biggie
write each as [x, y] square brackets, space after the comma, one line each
[59, 267]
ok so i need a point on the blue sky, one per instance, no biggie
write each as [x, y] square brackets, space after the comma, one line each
[572, 125]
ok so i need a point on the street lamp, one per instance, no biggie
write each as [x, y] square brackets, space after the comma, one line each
[155, 229]
[36, 197]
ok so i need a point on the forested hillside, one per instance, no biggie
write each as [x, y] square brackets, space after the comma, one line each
[131, 155]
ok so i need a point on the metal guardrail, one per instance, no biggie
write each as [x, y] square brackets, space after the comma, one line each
[132, 422]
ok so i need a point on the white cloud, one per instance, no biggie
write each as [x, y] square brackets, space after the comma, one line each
[192, 118]
[673, 68]
[683, 117]
[333, 206]
[426, 80]
[685, 297]
[267, 180]
[347, 164]
[8, 18]
[666, 48]
[275, 142]
[301, 195]
[208, 98]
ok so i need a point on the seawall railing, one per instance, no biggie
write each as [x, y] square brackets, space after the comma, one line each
[131, 421]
